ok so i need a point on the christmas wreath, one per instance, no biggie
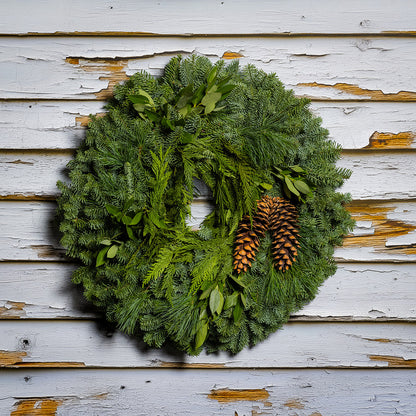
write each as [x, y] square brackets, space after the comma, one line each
[268, 168]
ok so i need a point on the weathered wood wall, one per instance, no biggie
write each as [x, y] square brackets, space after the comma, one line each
[352, 350]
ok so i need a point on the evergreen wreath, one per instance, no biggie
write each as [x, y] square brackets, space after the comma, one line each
[262, 252]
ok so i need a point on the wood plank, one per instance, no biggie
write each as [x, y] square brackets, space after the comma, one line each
[169, 392]
[61, 124]
[385, 231]
[185, 18]
[69, 344]
[352, 68]
[357, 291]
[376, 175]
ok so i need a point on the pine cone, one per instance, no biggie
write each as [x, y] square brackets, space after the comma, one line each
[246, 246]
[284, 229]
[280, 217]
[249, 234]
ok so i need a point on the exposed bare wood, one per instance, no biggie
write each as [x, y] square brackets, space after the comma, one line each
[384, 227]
[401, 140]
[231, 55]
[227, 395]
[40, 406]
[355, 90]
[295, 404]
[11, 358]
[397, 362]
[83, 121]
[12, 310]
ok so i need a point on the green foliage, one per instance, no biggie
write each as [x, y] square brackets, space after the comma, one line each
[123, 213]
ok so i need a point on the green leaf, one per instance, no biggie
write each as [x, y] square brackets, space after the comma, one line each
[130, 233]
[199, 93]
[139, 107]
[209, 108]
[138, 99]
[205, 293]
[106, 242]
[185, 96]
[143, 93]
[212, 89]
[290, 186]
[216, 301]
[243, 299]
[239, 282]
[302, 187]
[201, 335]
[187, 138]
[156, 220]
[112, 209]
[237, 312]
[203, 316]
[231, 300]
[226, 89]
[184, 111]
[111, 253]
[126, 219]
[297, 169]
[101, 256]
[211, 98]
[166, 122]
[136, 219]
[266, 186]
[212, 74]
[152, 116]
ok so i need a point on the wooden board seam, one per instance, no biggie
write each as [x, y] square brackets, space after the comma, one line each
[386, 34]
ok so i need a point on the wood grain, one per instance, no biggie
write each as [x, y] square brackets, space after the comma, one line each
[152, 17]
[61, 124]
[168, 392]
[351, 68]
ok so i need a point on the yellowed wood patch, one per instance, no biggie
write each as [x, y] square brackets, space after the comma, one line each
[294, 404]
[397, 362]
[83, 121]
[115, 68]
[375, 95]
[52, 364]
[13, 310]
[384, 228]
[33, 407]
[14, 359]
[11, 358]
[228, 395]
[402, 140]
[232, 55]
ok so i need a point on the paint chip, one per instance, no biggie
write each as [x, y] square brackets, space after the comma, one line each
[230, 395]
[402, 140]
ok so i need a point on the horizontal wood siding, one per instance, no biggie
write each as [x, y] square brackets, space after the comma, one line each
[351, 351]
